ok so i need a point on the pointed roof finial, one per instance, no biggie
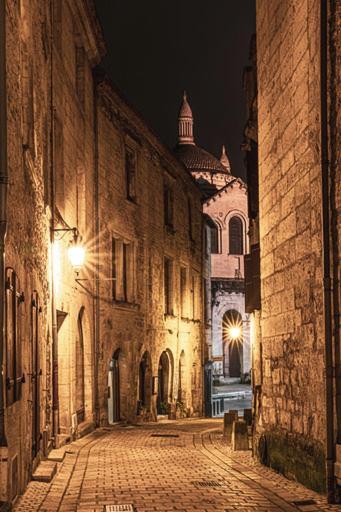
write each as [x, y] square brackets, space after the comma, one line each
[224, 160]
[185, 122]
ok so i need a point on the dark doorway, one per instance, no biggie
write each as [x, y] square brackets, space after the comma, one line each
[114, 413]
[145, 383]
[234, 359]
[163, 383]
[35, 374]
[80, 398]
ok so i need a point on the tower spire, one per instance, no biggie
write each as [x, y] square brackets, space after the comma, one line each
[224, 160]
[185, 120]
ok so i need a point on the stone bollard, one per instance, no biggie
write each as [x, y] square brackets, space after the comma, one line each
[248, 416]
[240, 439]
[234, 411]
[229, 418]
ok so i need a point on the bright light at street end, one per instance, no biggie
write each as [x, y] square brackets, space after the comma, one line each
[234, 332]
[76, 254]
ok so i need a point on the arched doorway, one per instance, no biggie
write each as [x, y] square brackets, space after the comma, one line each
[114, 413]
[164, 383]
[145, 383]
[232, 344]
[80, 393]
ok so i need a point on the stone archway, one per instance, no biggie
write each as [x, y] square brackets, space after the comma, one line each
[165, 381]
[114, 388]
[232, 340]
[145, 383]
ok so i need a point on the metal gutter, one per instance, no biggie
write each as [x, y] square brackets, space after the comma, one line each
[3, 208]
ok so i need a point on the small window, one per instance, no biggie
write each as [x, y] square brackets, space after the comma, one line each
[183, 292]
[130, 171]
[123, 271]
[214, 240]
[235, 236]
[190, 225]
[168, 206]
[168, 286]
[13, 345]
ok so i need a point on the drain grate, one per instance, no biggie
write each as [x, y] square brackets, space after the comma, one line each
[119, 508]
[164, 435]
[206, 483]
[303, 503]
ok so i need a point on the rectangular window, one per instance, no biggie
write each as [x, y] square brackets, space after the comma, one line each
[13, 348]
[59, 164]
[168, 206]
[123, 271]
[80, 79]
[130, 171]
[168, 286]
[183, 292]
[195, 296]
[190, 226]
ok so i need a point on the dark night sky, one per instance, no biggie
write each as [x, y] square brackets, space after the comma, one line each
[158, 48]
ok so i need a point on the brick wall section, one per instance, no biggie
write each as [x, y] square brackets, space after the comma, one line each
[134, 329]
[293, 399]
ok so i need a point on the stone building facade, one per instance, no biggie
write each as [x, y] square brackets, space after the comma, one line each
[297, 343]
[150, 353]
[61, 325]
[225, 203]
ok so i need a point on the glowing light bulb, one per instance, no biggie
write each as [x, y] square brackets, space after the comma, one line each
[235, 332]
[76, 254]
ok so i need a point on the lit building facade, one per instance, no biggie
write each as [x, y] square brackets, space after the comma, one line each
[225, 204]
[135, 302]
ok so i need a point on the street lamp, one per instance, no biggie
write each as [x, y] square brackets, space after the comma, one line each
[76, 250]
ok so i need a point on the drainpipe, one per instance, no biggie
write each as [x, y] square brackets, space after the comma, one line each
[55, 393]
[327, 288]
[97, 229]
[3, 207]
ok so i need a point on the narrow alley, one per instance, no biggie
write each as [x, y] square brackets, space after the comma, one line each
[170, 466]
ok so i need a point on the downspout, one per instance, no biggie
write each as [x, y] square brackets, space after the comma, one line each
[55, 394]
[97, 229]
[3, 207]
[327, 288]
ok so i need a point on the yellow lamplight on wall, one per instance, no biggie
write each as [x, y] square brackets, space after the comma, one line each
[76, 253]
[76, 250]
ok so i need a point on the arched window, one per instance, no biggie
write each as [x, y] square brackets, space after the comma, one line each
[80, 395]
[235, 236]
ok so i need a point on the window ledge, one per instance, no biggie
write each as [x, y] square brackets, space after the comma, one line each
[129, 306]
[170, 230]
[169, 316]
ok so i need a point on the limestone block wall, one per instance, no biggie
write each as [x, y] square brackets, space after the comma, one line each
[36, 67]
[139, 326]
[292, 397]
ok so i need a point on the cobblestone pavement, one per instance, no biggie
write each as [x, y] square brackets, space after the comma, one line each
[169, 466]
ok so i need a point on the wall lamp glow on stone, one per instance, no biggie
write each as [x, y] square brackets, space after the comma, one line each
[76, 251]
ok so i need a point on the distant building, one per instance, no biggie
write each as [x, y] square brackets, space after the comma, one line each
[224, 202]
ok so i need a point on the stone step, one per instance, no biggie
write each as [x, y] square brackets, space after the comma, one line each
[57, 455]
[45, 471]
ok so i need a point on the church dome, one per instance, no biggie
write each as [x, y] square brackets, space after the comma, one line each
[197, 159]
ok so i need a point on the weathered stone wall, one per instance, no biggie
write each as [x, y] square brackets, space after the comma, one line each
[41, 86]
[129, 330]
[292, 397]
